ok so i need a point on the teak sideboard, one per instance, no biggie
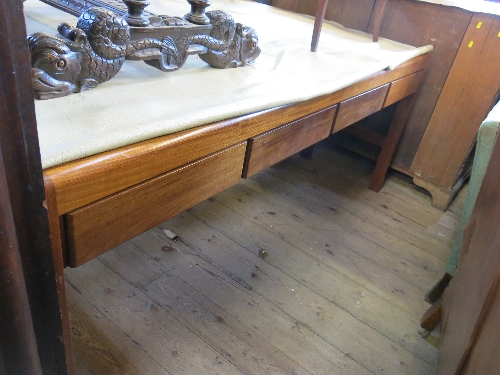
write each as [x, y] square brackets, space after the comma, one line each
[460, 87]
[92, 210]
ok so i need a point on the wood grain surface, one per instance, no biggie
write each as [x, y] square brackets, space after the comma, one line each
[212, 302]
[471, 301]
[100, 226]
[410, 22]
[414, 23]
[87, 180]
[278, 144]
[359, 107]
[32, 337]
[472, 83]
[403, 87]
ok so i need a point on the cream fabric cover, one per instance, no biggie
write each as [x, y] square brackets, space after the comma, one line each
[142, 103]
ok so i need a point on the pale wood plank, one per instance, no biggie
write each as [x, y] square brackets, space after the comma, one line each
[167, 341]
[80, 369]
[356, 293]
[315, 223]
[234, 340]
[212, 295]
[400, 219]
[288, 296]
[101, 346]
[235, 296]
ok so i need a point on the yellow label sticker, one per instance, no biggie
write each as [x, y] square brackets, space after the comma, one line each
[479, 25]
[499, 34]
[471, 43]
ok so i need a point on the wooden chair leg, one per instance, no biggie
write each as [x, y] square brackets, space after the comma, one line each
[431, 318]
[390, 144]
[377, 18]
[318, 22]
[437, 290]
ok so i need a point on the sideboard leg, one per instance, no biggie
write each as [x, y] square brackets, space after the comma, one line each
[57, 240]
[441, 197]
[403, 110]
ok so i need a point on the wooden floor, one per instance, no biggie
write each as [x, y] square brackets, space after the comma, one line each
[298, 270]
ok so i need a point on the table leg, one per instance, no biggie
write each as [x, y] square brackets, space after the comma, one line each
[391, 141]
[56, 236]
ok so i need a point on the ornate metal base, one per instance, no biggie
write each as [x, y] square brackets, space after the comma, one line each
[108, 32]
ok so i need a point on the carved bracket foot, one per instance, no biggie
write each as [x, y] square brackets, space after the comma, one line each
[441, 197]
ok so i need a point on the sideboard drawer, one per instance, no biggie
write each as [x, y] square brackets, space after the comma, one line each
[403, 87]
[357, 108]
[273, 146]
[106, 223]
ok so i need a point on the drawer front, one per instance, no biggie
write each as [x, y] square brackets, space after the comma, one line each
[359, 107]
[271, 147]
[403, 87]
[103, 225]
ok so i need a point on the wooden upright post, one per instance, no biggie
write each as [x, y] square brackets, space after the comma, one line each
[30, 325]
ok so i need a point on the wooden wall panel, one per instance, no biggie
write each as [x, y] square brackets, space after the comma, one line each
[412, 22]
[472, 84]
[102, 225]
[470, 303]
[354, 14]
[484, 359]
[419, 23]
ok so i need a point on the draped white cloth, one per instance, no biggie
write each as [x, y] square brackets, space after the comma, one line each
[142, 103]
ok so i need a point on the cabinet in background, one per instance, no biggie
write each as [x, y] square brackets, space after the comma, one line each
[460, 86]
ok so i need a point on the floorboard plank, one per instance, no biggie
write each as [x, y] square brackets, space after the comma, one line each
[336, 286]
[236, 297]
[298, 270]
[101, 347]
[213, 324]
[166, 340]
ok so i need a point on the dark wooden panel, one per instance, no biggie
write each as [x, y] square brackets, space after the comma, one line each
[412, 22]
[31, 343]
[359, 107]
[290, 5]
[278, 144]
[470, 303]
[484, 358]
[354, 14]
[403, 87]
[100, 226]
